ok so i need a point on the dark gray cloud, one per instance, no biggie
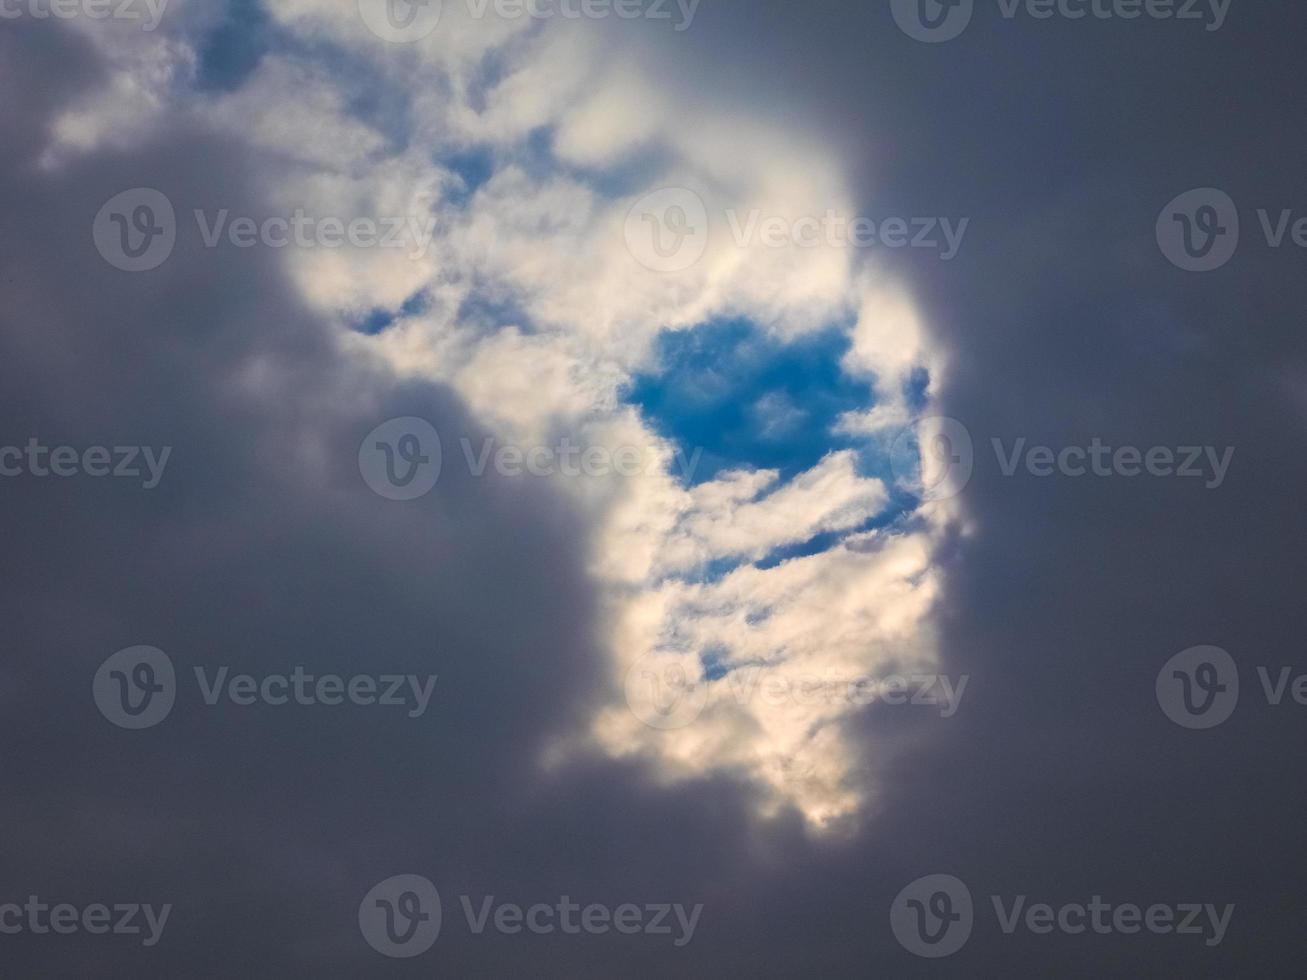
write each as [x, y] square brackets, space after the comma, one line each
[1063, 142]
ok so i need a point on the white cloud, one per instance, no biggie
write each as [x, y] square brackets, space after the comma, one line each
[794, 638]
[747, 515]
[541, 238]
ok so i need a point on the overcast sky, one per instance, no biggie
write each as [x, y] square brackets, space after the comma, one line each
[652, 488]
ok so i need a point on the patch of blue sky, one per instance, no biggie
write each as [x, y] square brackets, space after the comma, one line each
[494, 310]
[714, 661]
[473, 166]
[234, 48]
[239, 41]
[380, 319]
[749, 400]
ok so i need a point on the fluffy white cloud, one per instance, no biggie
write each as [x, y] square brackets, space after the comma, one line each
[798, 646]
[542, 242]
[747, 515]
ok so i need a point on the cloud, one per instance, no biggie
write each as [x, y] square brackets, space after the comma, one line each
[531, 599]
[542, 237]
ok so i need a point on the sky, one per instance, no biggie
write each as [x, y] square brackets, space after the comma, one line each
[652, 489]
